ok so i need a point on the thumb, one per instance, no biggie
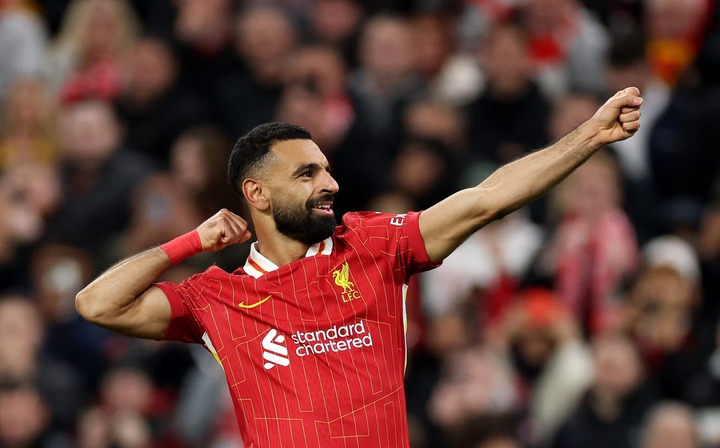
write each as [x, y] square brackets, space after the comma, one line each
[634, 91]
[625, 98]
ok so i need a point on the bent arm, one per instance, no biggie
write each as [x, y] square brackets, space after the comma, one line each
[447, 224]
[124, 300]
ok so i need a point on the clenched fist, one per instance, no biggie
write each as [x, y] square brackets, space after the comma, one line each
[223, 229]
[619, 117]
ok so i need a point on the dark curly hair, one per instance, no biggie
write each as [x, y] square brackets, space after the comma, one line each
[251, 151]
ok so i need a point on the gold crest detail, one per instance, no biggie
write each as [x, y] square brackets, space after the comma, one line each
[342, 279]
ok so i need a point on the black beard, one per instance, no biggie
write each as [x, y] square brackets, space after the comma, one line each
[302, 224]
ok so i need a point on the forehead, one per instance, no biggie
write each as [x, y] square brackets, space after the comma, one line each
[289, 154]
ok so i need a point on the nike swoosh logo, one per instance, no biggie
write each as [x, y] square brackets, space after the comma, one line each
[253, 305]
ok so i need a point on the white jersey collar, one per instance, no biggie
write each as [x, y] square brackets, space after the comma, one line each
[257, 265]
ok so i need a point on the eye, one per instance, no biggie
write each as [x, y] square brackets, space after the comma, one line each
[307, 173]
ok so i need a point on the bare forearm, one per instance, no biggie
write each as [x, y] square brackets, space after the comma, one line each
[113, 292]
[450, 222]
[520, 182]
[445, 225]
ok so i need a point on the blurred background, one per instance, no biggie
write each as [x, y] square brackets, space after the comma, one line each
[588, 319]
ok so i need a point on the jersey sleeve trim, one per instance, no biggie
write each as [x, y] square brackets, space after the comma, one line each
[416, 242]
[177, 328]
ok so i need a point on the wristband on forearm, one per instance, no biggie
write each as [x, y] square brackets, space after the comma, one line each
[182, 247]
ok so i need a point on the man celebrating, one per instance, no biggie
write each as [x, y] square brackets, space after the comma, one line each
[311, 331]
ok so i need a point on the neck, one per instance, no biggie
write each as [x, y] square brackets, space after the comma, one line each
[606, 406]
[277, 247]
[282, 253]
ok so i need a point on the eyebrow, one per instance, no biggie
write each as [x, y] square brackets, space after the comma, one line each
[309, 166]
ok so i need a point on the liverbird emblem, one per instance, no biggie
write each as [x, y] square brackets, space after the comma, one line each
[342, 279]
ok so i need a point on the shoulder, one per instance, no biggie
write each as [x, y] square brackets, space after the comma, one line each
[23, 22]
[378, 227]
[138, 161]
[215, 275]
[126, 169]
[355, 220]
[372, 222]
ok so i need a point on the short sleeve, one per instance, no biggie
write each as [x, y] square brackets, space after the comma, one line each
[415, 245]
[395, 235]
[183, 326]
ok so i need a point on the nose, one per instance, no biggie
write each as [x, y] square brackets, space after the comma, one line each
[329, 184]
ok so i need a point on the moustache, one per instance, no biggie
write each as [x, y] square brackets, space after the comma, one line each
[313, 202]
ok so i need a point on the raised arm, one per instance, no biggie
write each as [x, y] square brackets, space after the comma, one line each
[447, 224]
[123, 299]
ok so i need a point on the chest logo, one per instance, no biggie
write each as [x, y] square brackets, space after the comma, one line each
[253, 305]
[275, 353]
[342, 279]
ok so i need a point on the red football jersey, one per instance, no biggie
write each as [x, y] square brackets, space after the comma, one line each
[313, 351]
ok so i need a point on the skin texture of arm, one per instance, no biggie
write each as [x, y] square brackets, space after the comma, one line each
[123, 298]
[447, 224]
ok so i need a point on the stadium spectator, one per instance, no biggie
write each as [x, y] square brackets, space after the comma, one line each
[202, 32]
[659, 312]
[593, 250]
[152, 106]
[24, 360]
[386, 78]
[674, 32]
[28, 124]
[175, 201]
[98, 177]
[508, 120]
[431, 119]
[628, 63]
[88, 53]
[382, 85]
[122, 418]
[337, 23]
[24, 416]
[568, 46]
[553, 363]
[423, 169]
[495, 431]
[486, 269]
[449, 76]
[617, 400]
[670, 425]
[663, 316]
[264, 39]
[475, 381]
[315, 95]
[29, 195]
[23, 43]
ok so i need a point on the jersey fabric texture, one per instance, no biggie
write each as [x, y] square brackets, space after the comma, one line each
[314, 351]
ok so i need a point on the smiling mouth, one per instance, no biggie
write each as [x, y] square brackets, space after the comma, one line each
[325, 208]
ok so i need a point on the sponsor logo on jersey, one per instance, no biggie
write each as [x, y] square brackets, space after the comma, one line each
[338, 338]
[253, 305]
[275, 353]
[342, 279]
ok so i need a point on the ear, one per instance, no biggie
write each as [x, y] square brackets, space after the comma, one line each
[256, 194]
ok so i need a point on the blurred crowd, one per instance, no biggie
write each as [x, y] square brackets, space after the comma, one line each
[589, 318]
